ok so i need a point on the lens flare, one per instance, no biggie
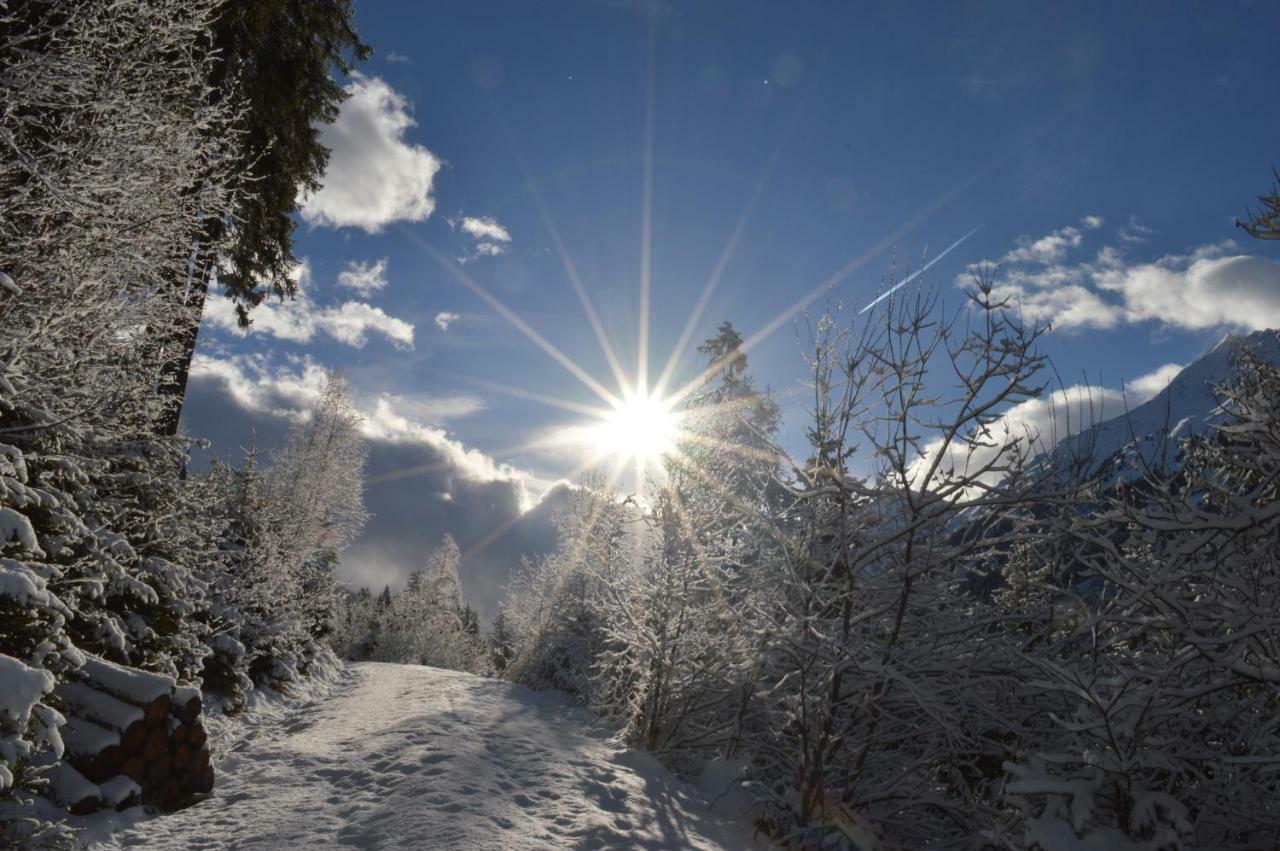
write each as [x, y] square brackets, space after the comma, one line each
[641, 427]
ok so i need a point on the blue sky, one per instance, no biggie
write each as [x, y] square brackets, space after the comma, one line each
[1103, 152]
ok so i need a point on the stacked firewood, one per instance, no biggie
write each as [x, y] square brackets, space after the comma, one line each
[132, 737]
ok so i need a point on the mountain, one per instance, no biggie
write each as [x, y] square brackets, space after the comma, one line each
[1149, 434]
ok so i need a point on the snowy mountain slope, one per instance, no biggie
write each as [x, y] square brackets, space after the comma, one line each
[1149, 433]
[412, 757]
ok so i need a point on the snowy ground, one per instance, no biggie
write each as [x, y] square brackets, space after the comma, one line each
[402, 756]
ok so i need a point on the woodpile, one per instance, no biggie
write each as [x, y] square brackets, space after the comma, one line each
[132, 737]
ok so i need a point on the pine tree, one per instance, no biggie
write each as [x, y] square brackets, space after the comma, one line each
[275, 59]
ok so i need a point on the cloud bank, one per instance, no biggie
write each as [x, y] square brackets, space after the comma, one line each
[422, 482]
[1213, 286]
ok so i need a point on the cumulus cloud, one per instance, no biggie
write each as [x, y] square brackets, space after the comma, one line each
[491, 238]
[398, 58]
[444, 319]
[364, 278]
[374, 176]
[421, 483]
[1213, 286]
[1047, 249]
[299, 319]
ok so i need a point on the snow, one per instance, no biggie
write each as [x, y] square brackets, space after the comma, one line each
[83, 737]
[128, 683]
[403, 756]
[21, 688]
[98, 706]
[70, 787]
[1149, 433]
[16, 527]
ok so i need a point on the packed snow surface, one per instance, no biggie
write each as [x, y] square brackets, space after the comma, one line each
[401, 756]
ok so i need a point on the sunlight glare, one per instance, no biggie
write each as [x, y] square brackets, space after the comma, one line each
[643, 427]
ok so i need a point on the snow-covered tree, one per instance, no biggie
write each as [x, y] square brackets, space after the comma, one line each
[425, 623]
[553, 606]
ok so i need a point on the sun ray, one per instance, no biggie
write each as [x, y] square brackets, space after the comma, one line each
[646, 204]
[522, 393]
[570, 268]
[699, 552]
[510, 315]
[506, 525]
[726, 254]
[830, 282]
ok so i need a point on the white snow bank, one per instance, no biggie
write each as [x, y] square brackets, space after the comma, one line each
[404, 756]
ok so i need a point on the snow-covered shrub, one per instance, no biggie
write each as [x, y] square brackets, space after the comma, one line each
[553, 606]
[1159, 663]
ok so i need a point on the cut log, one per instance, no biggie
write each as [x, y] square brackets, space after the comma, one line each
[135, 768]
[197, 737]
[99, 707]
[181, 756]
[107, 763]
[133, 685]
[134, 738]
[84, 738]
[156, 744]
[186, 703]
[157, 711]
[179, 734]
[158, 769]
[205, 783]
[169, 796]
[72, 790]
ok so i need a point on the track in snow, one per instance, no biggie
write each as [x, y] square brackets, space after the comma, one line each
[403, 756]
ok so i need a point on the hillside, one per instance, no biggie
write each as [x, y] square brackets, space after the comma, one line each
[1149, 433]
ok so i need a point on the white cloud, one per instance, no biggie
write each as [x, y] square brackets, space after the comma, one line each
[399, 58]
[1198, 291]
[1135, 231]
[434, 410]
[374, 176]
[1092, 222]
[1214, 286]
[444, 319]
[1145, 387]
[1047, 249]
[364, 278]
[289, 391]
[491, 238]
[485, 227]
[299, 319]
[254, 384]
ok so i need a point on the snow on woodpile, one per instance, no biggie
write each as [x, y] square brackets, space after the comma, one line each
[132, 737]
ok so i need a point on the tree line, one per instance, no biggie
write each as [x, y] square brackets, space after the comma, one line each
[150, 147]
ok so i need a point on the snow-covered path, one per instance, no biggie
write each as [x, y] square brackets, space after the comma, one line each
[412, 757]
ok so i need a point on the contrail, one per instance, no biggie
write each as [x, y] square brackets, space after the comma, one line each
[925, 268]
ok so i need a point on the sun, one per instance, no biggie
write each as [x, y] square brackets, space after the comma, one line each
[640, 427]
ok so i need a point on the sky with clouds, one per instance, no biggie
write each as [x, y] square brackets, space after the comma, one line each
[490, 174]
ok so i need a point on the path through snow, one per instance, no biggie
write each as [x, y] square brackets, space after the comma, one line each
[403, 756]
